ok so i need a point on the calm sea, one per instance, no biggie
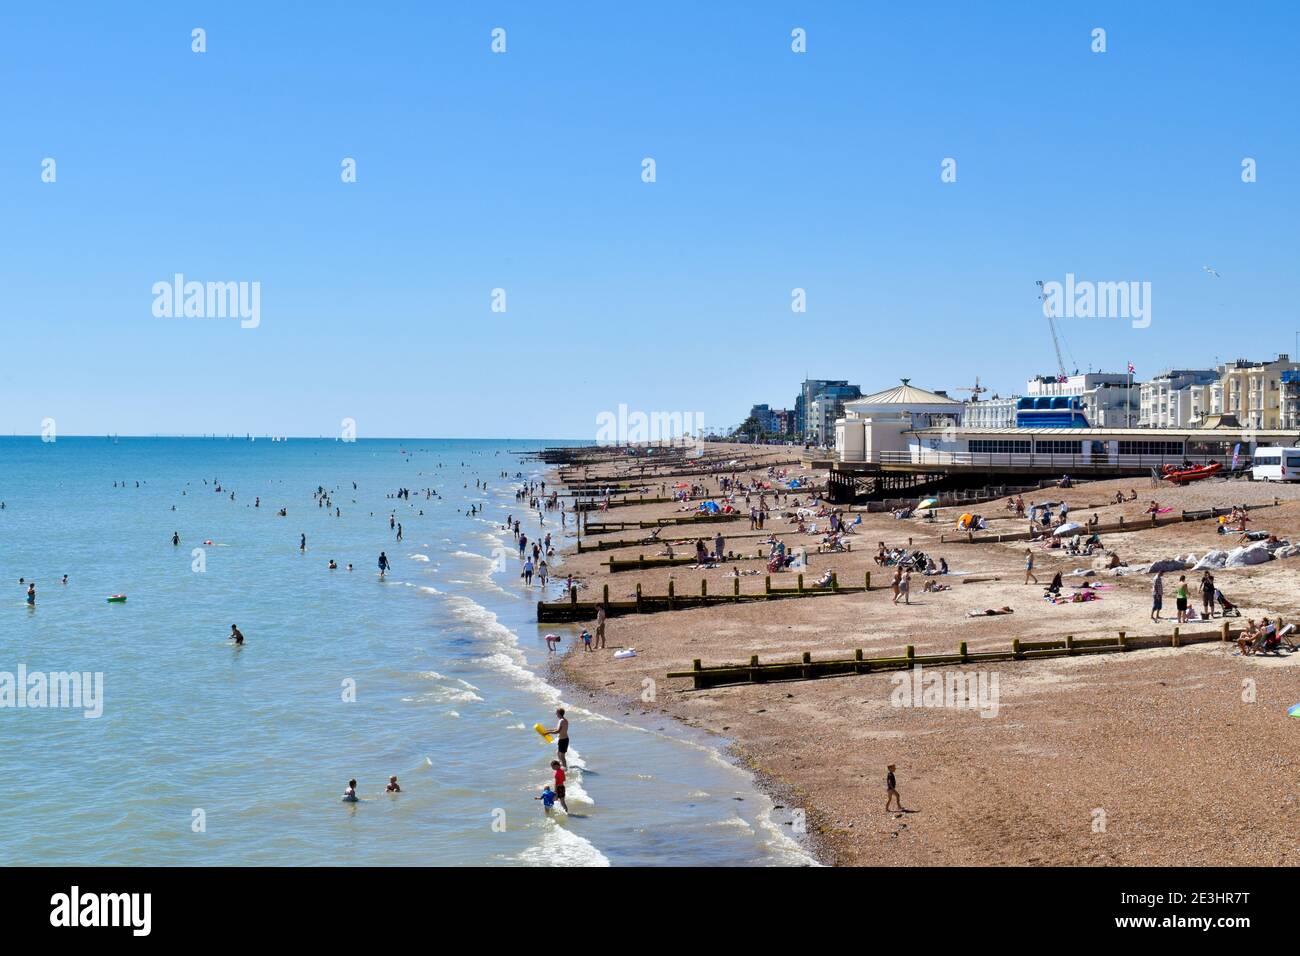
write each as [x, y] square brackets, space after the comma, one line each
[210, 754]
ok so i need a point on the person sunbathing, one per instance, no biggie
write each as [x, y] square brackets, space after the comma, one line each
[931, 586]
[1055, 587]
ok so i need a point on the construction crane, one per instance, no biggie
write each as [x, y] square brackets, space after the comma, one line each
[975, 392]
[1051, 324]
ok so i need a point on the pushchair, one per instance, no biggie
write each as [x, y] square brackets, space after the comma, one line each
[1226, 607]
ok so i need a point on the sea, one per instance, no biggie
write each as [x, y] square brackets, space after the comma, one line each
[207, 753]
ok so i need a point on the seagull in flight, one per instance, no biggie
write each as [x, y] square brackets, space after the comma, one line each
[1211, 272]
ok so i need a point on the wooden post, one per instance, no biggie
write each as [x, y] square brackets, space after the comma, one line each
[868, 580]
[961, 649]
[638, 597]
[807, 662]
[835, 582]
[573, 594]
[670, 595]
[1121, 522]
[1069, 644]
[699, 673]
[1224, 631]
[800, 584]
[767, 584]
[911, 654]
[857, 661]
[753, 669]
[1174, 641]
[704, 588]
[605, 594]
[1122, 641]
[735, 586]
[1015, 648]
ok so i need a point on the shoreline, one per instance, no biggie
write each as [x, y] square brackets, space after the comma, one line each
[782, 795]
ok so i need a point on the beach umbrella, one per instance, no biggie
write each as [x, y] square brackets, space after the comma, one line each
[927, 503]
[1070, 527]
[1293, 711]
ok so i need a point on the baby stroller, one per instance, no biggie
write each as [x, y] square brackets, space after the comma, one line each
[1227, 608]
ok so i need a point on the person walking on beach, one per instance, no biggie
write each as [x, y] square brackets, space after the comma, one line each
[527, 574]
[891, 789]
[897, 584]
[1157, 595]
[905, 586]
[561, 733]
[600, 626]
[383, 564]
[1029, 566]
[1180, 598]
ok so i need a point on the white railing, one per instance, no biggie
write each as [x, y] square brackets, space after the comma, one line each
[1080, 461]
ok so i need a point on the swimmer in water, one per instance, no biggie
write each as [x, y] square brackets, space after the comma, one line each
[350, 794]
[392, 785]
[383, 564]
[65, 579]
[237, 636]
[302, 544]
[176, 538]
[332, 565]
[31, 594]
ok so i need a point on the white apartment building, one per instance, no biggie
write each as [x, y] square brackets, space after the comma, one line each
[1169, 399]
[992, 412]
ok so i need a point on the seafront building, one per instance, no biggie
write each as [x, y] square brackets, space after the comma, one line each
[880, 423]
[992, 412]
[828, 391]
[1175, 398]
[1252, 391]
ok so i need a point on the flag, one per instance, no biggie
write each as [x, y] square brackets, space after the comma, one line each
[1131, 369]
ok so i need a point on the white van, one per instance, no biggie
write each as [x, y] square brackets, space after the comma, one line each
[1276, 464]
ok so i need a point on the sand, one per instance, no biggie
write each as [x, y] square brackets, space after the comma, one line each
[1154, 757]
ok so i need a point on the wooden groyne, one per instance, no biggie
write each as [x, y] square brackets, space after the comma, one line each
[605, 527]
[807, 668]
[575, 610]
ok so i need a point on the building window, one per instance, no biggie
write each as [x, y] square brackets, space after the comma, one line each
[999, 446]
[1151, 448]
[1052, 446]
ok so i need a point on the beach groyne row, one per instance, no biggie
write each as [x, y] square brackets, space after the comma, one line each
[575, 610]
[1155, 521]
[808, 668]
[605, 527]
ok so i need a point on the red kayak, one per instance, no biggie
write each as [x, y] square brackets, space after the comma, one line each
[1181, 476]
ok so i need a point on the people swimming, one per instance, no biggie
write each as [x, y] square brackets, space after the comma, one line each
[176, 538]
[383, 564]
[31, 594]
[237, 636]
[393, 786]
[350, 794]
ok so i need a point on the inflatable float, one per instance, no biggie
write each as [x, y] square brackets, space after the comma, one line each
[542, 730]
[116, 598]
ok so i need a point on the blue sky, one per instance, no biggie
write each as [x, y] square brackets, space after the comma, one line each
[523, 171]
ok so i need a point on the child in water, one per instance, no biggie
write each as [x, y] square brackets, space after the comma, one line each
[392, 785]
[548, 799]
[350, 794]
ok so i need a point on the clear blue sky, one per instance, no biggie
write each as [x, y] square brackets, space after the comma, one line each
[522, 171]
